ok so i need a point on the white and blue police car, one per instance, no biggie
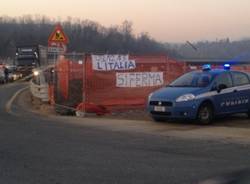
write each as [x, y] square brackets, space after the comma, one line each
[202, 95]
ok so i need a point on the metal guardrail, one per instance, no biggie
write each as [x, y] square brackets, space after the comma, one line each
[38, 87]
[39, 91]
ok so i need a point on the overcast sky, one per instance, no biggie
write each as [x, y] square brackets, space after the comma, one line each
[165, 20]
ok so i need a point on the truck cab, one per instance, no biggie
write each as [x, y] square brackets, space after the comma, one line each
[29, 57]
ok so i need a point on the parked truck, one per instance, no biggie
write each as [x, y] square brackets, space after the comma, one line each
[29, 57]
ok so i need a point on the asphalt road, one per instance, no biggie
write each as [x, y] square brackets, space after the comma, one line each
[36, 149]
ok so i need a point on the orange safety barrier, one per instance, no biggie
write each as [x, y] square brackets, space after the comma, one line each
[83, 86]
[101, 86]
[68, 82]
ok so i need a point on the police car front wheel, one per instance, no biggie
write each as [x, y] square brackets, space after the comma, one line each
[205, 114]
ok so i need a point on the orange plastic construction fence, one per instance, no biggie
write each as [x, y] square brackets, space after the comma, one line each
[90, 85]
[128, 89]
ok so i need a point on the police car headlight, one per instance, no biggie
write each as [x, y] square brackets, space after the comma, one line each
[185, 98]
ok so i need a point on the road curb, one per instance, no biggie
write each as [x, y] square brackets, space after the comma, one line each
[10, 102]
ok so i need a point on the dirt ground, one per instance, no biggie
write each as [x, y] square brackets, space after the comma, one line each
[46, 109]
[35, 105]
[239, 120]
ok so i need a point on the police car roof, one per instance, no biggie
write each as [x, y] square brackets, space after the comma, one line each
[215, 72]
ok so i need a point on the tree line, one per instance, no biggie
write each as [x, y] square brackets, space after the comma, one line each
[85, 36]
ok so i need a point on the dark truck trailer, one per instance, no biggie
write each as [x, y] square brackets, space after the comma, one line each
[29, 57]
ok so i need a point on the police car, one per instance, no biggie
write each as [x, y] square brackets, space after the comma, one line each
[202, 95]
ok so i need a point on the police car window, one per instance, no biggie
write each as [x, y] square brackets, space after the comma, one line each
[203, 80]
[224, 79]
[194, 79]
[240, 79]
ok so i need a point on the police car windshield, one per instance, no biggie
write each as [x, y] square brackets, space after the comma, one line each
[193, 79]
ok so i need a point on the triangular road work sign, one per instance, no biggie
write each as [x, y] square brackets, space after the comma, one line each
[58, 36]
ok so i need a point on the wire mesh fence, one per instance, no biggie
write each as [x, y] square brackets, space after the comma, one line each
[107, 83]
[66, 82]
[124, 88]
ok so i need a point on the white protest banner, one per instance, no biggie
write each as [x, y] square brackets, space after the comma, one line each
[139, 79]
[112, 63]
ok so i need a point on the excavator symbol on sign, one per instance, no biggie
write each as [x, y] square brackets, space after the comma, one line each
[59, 35]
